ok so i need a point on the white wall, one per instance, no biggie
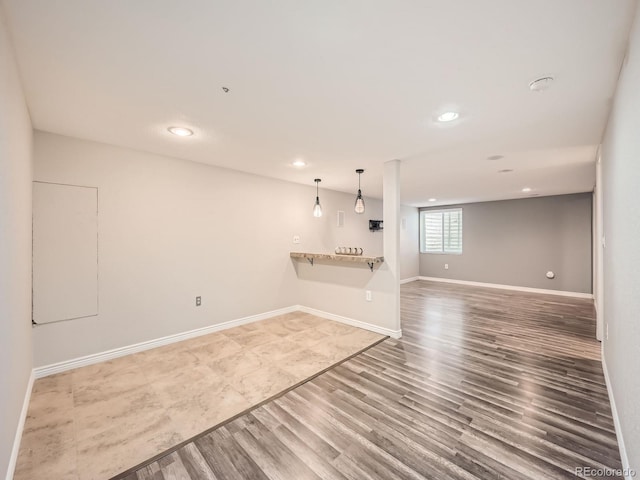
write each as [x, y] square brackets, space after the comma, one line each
[328, 286]
[341, 288]
[171, 229]
[409, 242]
[621, 218]
[15, 248]
[332, 286]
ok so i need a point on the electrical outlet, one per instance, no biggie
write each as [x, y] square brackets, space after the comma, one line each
[446, 266]
[367, 295]
[198, 301]
[296, 239]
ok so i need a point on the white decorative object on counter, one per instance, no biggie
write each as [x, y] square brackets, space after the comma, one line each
[349, 250]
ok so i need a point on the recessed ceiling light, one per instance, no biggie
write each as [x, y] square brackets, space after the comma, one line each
[526, 189]
[505, 170]
[495, 157]
[299, 163]
[432, 199]
[541, 84]
[180, 131]
[448, 116]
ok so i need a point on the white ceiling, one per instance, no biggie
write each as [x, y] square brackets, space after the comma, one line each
[341, 83]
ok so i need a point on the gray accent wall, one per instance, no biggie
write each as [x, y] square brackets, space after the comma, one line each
[515, 242]
[620, 188]
[15, 250]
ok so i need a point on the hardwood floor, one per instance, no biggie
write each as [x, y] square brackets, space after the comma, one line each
[484, 384]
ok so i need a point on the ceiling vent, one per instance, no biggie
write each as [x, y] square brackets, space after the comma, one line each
[541, 84]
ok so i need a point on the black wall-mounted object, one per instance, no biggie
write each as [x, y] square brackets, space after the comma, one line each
[375, 225]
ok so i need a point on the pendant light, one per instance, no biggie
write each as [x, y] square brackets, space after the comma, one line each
[317, 209]
[359, 206]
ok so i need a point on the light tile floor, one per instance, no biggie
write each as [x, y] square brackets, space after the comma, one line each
[96, 421]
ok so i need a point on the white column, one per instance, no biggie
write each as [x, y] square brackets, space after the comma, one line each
[391, 237]
[598, 248]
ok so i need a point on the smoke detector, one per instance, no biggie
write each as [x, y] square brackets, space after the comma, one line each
[541, 84]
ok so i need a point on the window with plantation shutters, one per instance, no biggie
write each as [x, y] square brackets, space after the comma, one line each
[441, 231]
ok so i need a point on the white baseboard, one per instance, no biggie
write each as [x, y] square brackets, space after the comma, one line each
[59, 367]
[616, 420]
[18, 438]
[410, 279]
[139, 347]
[351, 321]
[510, 287]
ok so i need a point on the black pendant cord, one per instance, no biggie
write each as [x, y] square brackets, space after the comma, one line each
[359, 171]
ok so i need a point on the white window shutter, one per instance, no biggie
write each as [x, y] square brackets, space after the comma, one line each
[441, 231]
[433, 232]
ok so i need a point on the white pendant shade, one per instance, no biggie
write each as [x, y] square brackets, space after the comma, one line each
[317, 208]
[359, 205]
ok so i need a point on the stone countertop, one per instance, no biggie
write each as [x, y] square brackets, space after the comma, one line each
[338, 257]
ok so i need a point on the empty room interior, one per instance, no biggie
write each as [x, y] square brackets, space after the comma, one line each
[319, 240]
